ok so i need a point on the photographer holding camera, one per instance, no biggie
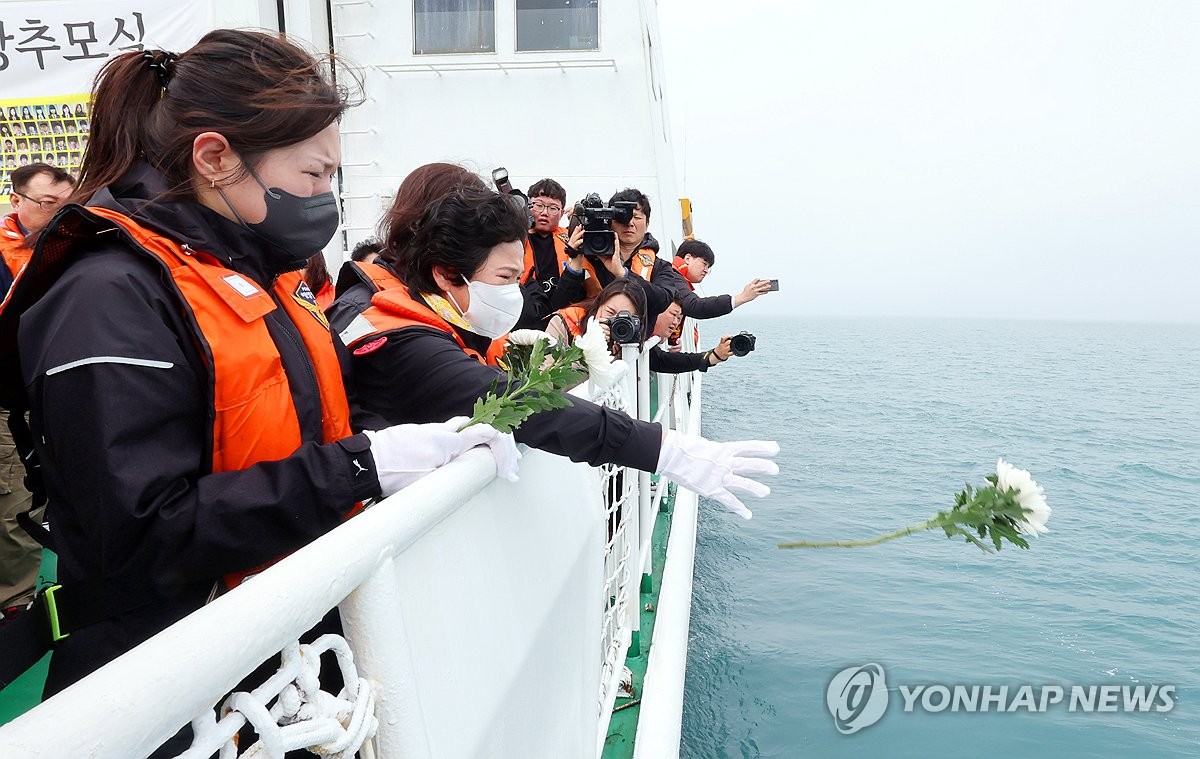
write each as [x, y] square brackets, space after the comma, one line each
[557, 274]
[619, 309]
[671, 361]
[639, 252]
[609, 245]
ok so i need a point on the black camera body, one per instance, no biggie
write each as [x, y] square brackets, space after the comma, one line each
[741, 343]
[625, 328]
[596, 220]
[504, 186]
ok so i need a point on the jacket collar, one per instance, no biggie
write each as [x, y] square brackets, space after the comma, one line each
[143, 194]
[648, 243]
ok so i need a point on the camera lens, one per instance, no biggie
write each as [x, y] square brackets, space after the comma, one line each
[741, 343]
[625, 328]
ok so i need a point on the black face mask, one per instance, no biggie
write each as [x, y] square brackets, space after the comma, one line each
[298, 226]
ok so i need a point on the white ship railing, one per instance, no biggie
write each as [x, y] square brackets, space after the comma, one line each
[482, 618]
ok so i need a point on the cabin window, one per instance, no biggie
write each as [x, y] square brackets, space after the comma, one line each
[558, 25]
[454, 26]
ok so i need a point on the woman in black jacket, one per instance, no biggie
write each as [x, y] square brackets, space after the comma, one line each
[460, 268]
[184, 390]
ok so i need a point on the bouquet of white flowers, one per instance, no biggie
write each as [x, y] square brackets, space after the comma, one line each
[1011, 505]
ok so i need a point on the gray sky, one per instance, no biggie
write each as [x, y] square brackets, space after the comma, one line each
[1023, 158]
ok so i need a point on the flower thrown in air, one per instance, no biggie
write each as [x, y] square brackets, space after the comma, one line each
[1030, 495]
[1011, 505]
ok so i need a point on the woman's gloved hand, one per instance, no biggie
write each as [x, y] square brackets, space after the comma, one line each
[714, 469]
[404, 453]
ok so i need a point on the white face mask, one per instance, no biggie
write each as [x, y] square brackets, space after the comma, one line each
[494, 309]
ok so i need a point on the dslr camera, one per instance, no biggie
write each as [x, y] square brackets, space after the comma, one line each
[504, 186]
[596, 219]
[625, 328]
[741, 343]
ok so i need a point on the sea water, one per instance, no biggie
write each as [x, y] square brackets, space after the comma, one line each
[880, 423]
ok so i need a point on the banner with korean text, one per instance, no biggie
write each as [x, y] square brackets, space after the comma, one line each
[51, 51]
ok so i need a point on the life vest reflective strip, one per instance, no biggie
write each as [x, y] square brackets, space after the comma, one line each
[591, 285]
[253, 416]
[12, 245]
[394, 309]
[572, 316]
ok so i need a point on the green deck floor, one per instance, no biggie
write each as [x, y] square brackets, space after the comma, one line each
[622, 730]
[25, 692]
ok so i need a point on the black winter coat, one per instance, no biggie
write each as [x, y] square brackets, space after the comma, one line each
[420, 374]
[134, 509]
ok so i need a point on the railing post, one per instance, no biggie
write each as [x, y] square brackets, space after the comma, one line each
[631, 508]
[645, 513]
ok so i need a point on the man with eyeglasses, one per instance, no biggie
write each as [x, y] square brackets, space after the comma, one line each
[556, 273]
[39, 190]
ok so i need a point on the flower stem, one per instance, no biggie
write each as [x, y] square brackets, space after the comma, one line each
[936, 521]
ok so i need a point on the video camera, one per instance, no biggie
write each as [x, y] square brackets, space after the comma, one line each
[625, 328]
[741, 343]
[500, 178]
[596, 219]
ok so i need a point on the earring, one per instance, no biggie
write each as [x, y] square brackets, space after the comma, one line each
[213, 184]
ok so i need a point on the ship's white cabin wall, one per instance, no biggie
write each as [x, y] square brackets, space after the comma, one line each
[307, 20]
[593, 129]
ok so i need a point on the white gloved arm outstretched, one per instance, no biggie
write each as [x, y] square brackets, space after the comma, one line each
[405, 453]
[714, 469]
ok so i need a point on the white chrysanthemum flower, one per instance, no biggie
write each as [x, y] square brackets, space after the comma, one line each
[602, 370]
[1030, 495]
[608, 375]
[531, 336]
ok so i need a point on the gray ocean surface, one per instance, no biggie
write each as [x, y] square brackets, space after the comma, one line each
[880, 423]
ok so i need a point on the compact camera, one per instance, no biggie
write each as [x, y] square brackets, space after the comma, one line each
[625, 328]
[596, 219]
[741, 343]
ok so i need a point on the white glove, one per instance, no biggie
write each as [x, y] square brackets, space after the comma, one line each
[405, 453]
[713, 469]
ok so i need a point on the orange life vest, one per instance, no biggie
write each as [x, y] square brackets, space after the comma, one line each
[591, 285]
[642, 263]
[376, 276]
[572, 317]
[682, 268]
[12, 245]
[677, 333]
[254, 417]
[324, 296]
[394, 308]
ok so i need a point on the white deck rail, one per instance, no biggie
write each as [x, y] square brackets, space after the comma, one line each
[485, 616]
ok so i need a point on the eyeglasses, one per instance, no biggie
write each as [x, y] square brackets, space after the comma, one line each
[45, 205]
[539, 206]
